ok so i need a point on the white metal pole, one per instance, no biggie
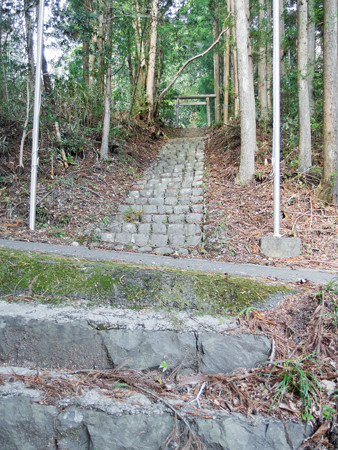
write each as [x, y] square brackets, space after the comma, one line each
[276, 120]
[36, 119]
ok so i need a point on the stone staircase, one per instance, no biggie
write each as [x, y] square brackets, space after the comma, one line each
[165, 210]
[56, 360]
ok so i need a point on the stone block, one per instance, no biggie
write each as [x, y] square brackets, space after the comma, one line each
[280, 247]
[141, 201]
[123, 238]
[129, 228]
[176, 239]
[146, 193]
[180, 209]
[197, 208]
[159, 240]
[176, 218]
[107, 237]
[156, 201]
[134, 194]
[140, 239]
[175, 228]
[144, 228]
[223, 354]
[149, 209]
[192, 241]
[197, 192]
[170, 201]
[144, 249]
[185, 191]
[163, 250]
[186, 200]
[165, 209]
[159, 228]
[160, 218]
[147, 218]
[194, 218]
[192, 229]
[197, 199]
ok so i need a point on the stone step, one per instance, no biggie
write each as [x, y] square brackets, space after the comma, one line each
[95, 418]
[105, 338]
[171, 191]
[44, 349]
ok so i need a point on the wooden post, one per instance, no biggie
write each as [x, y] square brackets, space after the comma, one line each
[208, 112]
[177, 112]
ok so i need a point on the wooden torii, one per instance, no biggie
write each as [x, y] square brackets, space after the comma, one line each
[198, 103]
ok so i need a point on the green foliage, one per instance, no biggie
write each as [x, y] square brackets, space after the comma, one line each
[292, 377]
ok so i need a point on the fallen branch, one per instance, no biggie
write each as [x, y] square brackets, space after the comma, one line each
[188, 62]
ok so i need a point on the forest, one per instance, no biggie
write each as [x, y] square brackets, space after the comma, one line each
[111, 74]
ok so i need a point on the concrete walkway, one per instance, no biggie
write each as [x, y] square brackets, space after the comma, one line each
[244, 270]
[164, 211]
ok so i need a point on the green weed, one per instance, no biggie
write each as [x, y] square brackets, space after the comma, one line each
[131, 215]
[295, 379]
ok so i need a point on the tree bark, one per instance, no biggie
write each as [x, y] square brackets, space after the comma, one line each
[29, 44]
[226, 75]
[329, 184]
[85, 60]
[107, 97]
[246, 92]
[152, 60]
[262, 79]
[269, 56]
[106, 120]
[139, 94]
[305, 159]
[234, 75]
[311, 52]
[215, 30]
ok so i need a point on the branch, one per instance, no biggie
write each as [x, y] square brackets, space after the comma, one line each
[188, 62]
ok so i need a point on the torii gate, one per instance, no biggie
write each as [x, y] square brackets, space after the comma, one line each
[199, 103]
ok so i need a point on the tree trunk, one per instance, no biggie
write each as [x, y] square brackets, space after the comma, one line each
[303, 89]
[311, 52]
[215, 30]
[107, 97]
[25, 127]
[159, 71]
[152, 60]
[329, 184]
[100, 63]
[29, 43]
[262, 80]
[246, 92]
[226, 77]
[85, 60]
[234, 75]
[139, 94]
[269, 56]
[106, 120]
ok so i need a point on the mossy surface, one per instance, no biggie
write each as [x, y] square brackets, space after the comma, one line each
[56, 279]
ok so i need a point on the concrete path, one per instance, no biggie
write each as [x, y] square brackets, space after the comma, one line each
[244, 270]
[164, 211]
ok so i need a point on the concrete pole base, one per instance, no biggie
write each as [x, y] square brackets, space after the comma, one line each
[280, 247]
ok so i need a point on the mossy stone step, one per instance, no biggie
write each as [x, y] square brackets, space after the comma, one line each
[56, 279]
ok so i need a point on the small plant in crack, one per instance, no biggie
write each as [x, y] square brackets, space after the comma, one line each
[132, 215]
